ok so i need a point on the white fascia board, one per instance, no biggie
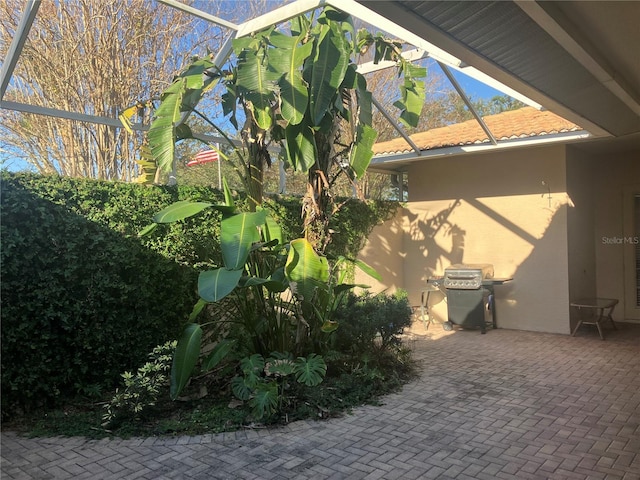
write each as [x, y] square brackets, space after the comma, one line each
[404, 158]
[278, 15]
[200, 14]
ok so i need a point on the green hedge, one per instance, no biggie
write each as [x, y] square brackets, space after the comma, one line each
[83, 298]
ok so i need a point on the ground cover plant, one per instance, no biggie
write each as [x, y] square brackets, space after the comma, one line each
[142, 405]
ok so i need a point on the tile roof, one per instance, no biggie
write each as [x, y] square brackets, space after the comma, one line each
[522, 123]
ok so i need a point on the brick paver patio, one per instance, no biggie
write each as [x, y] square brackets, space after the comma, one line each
[505, 405]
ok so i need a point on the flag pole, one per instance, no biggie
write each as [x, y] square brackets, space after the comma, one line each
[219, 167]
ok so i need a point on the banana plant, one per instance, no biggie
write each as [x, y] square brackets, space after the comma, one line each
[259, 267]
[301, 89]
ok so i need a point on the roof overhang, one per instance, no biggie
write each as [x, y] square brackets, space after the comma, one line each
[579, 59]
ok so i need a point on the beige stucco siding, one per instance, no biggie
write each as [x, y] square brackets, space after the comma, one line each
[617, 180]
[384, 252]
[581, 227]
[569, 238]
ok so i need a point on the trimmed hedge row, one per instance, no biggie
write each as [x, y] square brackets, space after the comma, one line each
[83, 298]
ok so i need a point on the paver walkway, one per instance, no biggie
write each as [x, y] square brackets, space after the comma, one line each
[505, 405]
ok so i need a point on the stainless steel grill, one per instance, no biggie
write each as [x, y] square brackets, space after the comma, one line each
[469, 293]
[467, 300]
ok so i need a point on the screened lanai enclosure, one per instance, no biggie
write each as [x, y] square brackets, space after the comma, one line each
[523, 153]
[195, 28]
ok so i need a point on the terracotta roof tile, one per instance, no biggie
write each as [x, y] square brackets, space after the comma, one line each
[521, 123]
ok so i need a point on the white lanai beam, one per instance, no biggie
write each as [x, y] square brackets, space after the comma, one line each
[476, 74]
[282, 14]
[360, 11]
[410, 55]
[20, 37]
[55, 112]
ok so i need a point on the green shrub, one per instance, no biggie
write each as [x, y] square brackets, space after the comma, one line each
[353, 223]
[80, 302]
[369, 323]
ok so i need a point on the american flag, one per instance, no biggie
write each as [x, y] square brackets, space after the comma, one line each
[205, 156]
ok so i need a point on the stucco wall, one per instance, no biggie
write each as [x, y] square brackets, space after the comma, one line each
[617, 179]
[581, 226]
[485, 209]
[384, 252]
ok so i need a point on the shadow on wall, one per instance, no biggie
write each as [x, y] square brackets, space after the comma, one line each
[538, 297]
[384, 252]
[425, 231]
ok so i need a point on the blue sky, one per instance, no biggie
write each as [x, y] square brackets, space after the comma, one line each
[474, 88]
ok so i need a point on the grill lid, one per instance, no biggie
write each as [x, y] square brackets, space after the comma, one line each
[467, 276]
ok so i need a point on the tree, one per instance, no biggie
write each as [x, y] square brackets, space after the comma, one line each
[92, 57]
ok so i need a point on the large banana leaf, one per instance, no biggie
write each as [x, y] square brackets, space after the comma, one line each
[412, 95]
[272, 231]
[237, 234]
[368, 269]
[362, 153]
[214, 285]
[344, 20]
[306, 268]
[221, 350]
[329, 67]
[257, 84]
[162, 132]
[229, 102]
[300, 147]
[365, 108]
[300, 25]
[182, 96]
[185, 358]
[271, 285]
[288, 58]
